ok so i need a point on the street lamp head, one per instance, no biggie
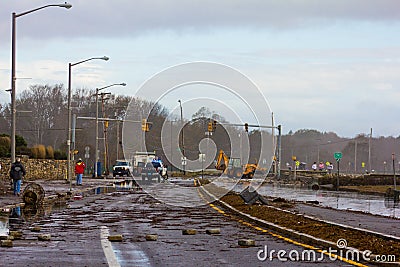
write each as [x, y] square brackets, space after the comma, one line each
[123, 84]
[105, 58]
[66, 5]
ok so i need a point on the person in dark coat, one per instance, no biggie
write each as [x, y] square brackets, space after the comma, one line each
[16, 173]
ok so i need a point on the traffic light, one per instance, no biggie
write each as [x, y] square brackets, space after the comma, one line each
[210, 127]
[144, 122]
[145, 125]
[246, 127]
[106, 124]
[214, 125]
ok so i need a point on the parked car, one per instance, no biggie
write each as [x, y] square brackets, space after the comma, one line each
[149, 173]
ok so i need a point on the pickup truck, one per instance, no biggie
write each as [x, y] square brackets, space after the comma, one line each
[122, 167]
[139, 161]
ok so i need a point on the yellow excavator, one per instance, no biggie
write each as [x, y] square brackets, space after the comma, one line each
[233, 167]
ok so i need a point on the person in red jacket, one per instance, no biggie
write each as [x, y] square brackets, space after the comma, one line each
[79, 169]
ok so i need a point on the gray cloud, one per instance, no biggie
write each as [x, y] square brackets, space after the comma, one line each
[103, 18]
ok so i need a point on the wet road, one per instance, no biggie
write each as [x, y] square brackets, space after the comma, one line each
[79, 236]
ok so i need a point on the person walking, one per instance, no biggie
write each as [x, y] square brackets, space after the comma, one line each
[79, 169]
[164, 172]
[16, 173]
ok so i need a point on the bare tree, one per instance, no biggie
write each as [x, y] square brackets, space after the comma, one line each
[41, 109]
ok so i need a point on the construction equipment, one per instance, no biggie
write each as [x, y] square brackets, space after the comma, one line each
[233, 167]
[222, 161]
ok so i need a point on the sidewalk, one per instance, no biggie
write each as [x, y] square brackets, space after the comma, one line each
[52, 187]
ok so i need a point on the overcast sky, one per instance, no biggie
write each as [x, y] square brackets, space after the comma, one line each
[326, 65]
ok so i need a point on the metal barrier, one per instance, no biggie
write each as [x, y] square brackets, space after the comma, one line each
[250, 196]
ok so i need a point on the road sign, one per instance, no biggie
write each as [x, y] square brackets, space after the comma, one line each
[297, 163]
[87, 149]
[202, 157]
[87, 155]
[337, 155]
[184, 162]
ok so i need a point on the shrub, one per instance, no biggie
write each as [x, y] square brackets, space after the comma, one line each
[22, 150]
[5, 145]
[58, 154]
[39, 151]
[49, 152]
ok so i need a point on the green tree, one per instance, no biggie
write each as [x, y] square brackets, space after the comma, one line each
[20, 141]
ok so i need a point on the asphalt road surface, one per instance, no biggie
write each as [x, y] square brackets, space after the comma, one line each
[79, 236]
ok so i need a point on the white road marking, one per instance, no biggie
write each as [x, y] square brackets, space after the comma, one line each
[107, 247]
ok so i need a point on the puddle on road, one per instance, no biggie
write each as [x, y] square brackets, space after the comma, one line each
[127, 185]
[4, 229]
[13, 218]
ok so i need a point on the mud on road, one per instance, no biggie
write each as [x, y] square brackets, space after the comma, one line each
[357, 239]
[75, 235]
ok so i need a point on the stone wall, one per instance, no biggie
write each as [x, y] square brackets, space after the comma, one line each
[372, 179]
[37, 169]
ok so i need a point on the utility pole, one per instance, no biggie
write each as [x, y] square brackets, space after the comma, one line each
[105, 127]
[97, 123]
[183, 139]
[394, 172]
[369, 152]
[279, 127]
[117, 140]
[355, 157]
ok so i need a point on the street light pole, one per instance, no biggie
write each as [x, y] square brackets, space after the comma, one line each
[369, 152]
[70, 65]
[394, 172]
[13, 69]
[183, 142]
[97, 124]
